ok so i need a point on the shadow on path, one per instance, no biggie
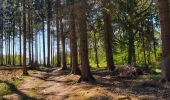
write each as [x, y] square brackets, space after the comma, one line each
[22, 95]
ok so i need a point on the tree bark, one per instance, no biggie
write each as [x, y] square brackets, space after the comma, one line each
[48, 29]
[9, 50]
[13, 40]
[95, 50]
[29, 32]
[63, 63]
[85, 71]
[20, 51]
[1, 37]
[165, 34]
[58, 32]
[73, 40]
[108, 36]
[24, 39]
[43, 25]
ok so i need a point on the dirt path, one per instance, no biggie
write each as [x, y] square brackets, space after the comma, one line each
[56, 86]
[59, 85]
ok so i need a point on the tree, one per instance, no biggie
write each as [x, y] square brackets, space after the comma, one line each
[43, 30]
[58, 5]
[165, 34]
[62, 36]
[48, 2]
[1, 35]
[24, 39]
[73, 40]
[86, 74]
[108, 32]
[29, 31]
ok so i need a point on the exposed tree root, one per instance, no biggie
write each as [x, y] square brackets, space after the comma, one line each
[89, 79]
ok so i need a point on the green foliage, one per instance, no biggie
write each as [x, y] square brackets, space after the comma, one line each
[5, 88]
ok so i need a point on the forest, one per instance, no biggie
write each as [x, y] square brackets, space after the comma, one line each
[84, 50]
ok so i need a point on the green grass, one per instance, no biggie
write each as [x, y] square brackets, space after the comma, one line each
[154, 77]
[150, 77]
[6, 89]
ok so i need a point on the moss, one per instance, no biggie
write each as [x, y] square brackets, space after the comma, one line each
[4, 89]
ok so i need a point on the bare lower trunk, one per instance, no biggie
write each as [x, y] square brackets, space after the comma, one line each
[73, 40]
[108, 36]
[58, 32]
[9, 50]
[85, 72]
[13, 43]
[20, 51]
[43, 25]
[165, 34]
[95, 50]
[29, 34]
[48, 30]
[63, 63]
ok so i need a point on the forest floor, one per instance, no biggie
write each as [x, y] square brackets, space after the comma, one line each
[54, 84]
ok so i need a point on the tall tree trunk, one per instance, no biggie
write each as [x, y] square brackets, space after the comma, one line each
[29, 32]
[58, 32]
[108, 36]
[20, 51]
[40, 56]
[48, 29]
[71, 57]
[51, 49]
[32, 39]
[6, 49]
[9, 50]
[131, 48]
[24, 39]
[43, 25]
[1, 37]
[13, 62]
[63, 62]
[32, 49]
[165, 34]
[85, 72]
[36, 48]
[73, 40]
[95, 50]
[144, 48]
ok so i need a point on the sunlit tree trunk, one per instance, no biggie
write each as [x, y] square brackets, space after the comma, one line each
[24, 39]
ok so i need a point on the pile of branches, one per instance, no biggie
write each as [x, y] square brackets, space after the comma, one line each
[131, 71]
